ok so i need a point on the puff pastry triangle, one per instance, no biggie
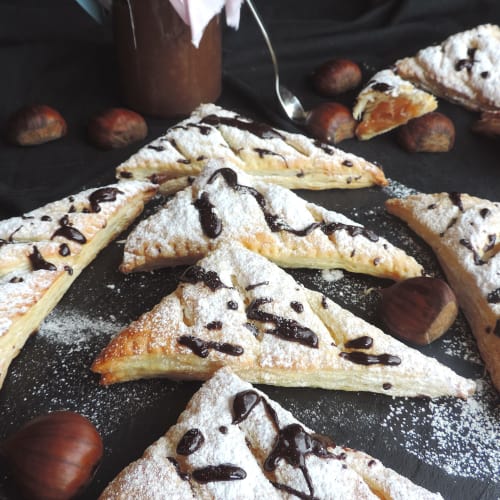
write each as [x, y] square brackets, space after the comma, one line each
[291, 160]
[464, 232]
[236, 308]
[465, 68]
[387, 102]
[233, 442]
[224, 203]
[43, 252]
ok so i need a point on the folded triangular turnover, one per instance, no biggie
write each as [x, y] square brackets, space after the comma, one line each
[225, 203]
[238, 309]
[44, 251]
[233, 442]
[464, 232]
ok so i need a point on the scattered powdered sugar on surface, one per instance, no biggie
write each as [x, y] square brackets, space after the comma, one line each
[397, 190]
[332, 274]
[74, 328]
[462, 436]
[459, 437]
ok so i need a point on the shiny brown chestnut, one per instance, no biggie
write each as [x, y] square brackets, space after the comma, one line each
[54, 456]
[33, 125]
[116, 128]
[331, 122]
[336, 76]
[418, 310]
[430, 133]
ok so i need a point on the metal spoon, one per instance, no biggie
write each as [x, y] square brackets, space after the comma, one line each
[289, 102]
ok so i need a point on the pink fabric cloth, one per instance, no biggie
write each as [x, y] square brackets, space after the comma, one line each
[198, 13]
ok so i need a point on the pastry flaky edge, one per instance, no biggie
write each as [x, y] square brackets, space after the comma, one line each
[236, 308]
[387, 102]
[464, 232]
[291, 160]
[44, 251]
[225, 203]
[464, 69]
[229, 428]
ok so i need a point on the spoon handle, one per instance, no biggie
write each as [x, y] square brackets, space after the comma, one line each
[274, 60]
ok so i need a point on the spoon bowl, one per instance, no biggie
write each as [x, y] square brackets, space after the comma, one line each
[289, 102]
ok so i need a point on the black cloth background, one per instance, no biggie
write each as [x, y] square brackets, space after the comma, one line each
[52, 52]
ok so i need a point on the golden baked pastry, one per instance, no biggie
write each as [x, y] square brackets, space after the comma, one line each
[387, 102]
[291, 160]
[465, 68]
[42, 253]
[234, 442]
[236, 308]
[223, 202]
[464, 232]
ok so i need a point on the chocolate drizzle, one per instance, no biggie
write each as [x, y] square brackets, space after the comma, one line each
[293, 445]
[494, 296]
[331, 227]
[298, 307]
[102, 195]
[214, 325]
[381, 87]
[361, 358]
[259, 129]
[195, 274]
[210, 223]
[466, 63]
[70, 233]
[285, 328]
[324, 147]
[275, 223]
[492, 238]
[363, 342]
[38, 263]
[183, 475]
[191, 441]
[156, 148]
[452, 222]
[64, 250]
[456, 199]
[202, 347]
[477, 259]
[256, 285]
[243, 403]
[222, 472]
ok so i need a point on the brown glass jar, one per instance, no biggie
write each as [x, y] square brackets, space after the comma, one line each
[161, 72]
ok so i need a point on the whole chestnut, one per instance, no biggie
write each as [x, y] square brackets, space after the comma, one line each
[429, 133]
[116, 128]
[331, 122]
[54, 456]
[418, 310]
[336, 76]
[33, 125]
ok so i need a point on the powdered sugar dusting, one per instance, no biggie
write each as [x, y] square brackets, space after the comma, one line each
[396, 189]
[332, 274]
[463, 438]
[74, 328]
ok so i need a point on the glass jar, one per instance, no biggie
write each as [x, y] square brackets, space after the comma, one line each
[161, 72]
